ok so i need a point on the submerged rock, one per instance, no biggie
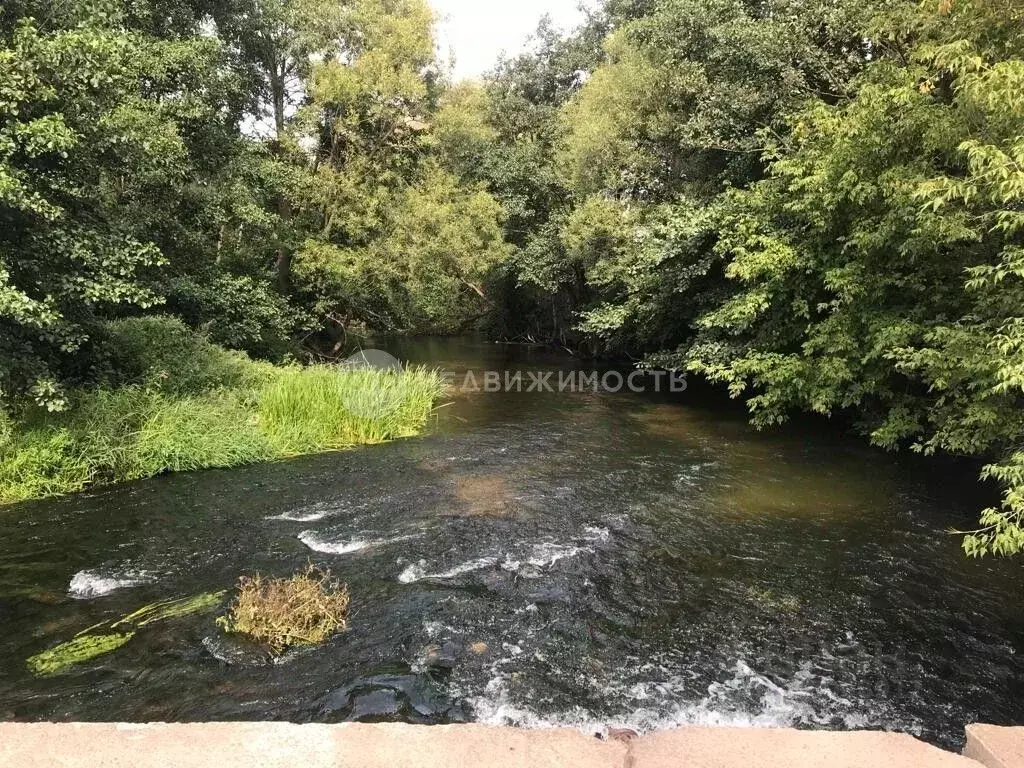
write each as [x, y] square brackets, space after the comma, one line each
[391, 698]
[381, 703]
[483, 496]
[43, 597]
[236, 652]
[443, 657]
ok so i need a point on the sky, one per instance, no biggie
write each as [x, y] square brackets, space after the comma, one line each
[478, 30]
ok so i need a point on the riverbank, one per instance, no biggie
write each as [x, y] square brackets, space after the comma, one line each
[283, 745]
[182, 403]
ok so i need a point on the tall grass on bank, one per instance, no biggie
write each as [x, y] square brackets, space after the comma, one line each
[253, 414]
[304, 410]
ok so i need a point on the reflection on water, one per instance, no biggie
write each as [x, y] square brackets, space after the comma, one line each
[578, 559]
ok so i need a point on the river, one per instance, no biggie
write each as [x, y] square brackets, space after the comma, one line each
[582, 559]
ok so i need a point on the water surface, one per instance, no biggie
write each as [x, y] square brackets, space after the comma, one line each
[535, 559]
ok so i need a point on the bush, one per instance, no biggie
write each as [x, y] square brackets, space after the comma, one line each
[305, 609]
[163, 353]
[238, 311]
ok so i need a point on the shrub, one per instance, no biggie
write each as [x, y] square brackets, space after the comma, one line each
[305, 609]
[162, 352]
[239, 312]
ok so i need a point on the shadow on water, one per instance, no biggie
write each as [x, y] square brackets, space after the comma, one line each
[579, 559]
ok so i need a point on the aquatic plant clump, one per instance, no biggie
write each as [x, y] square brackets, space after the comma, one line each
[305, 609]
[81, 649]
[106, 637]
[171, 609]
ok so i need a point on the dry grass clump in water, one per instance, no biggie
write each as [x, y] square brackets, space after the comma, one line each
[305, 609]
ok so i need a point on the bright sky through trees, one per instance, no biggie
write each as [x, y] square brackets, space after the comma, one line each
[476, 31]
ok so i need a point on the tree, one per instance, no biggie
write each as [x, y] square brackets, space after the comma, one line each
[279, 43]
[680, 110]
[408, 235]
[90, 138]
[881, 280]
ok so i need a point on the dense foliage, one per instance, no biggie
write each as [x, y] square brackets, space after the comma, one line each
[818, 204]
[260, 168]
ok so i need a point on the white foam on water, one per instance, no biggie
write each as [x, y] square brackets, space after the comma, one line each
[88, 584]
[314, 513]
[317, 543]
[459, 570]
[747, 699]
[313, 540]
[303, 517]
[418, 571]
[690, 476]
[433, 628]
[548, 553]
[540, 555]
[544, 555]
[413, 572]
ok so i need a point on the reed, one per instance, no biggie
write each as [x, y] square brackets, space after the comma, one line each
[304, 410]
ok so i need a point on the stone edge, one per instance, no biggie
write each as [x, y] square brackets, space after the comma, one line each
[385, 744]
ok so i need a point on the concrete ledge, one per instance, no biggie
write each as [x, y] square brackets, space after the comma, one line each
[996, 747]
[765, 748]
[282, 745]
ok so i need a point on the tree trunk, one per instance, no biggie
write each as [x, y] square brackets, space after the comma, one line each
[283, 261]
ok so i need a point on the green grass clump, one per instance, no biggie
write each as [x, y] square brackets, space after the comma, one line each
[304, 410]
[41, 463]
[200, 433]
[218, 410]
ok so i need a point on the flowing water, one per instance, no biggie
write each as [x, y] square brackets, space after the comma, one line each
[579, 559]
